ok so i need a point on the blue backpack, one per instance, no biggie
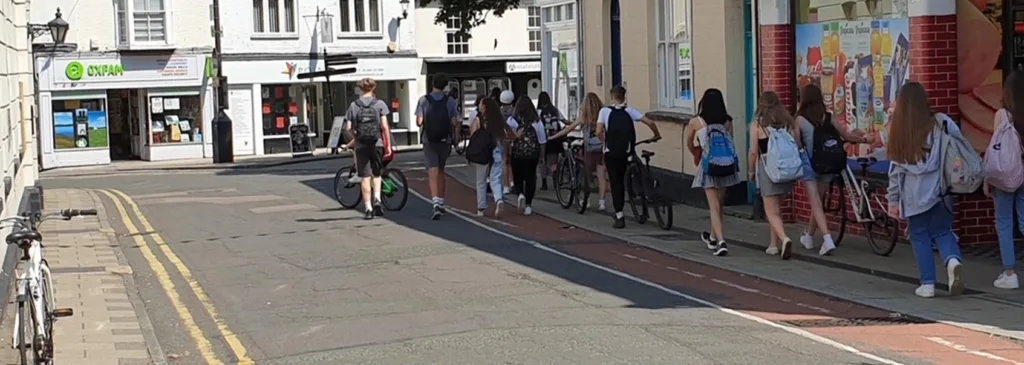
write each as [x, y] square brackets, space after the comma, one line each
[719, 157]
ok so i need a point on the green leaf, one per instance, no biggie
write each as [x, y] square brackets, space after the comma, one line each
[472, 13]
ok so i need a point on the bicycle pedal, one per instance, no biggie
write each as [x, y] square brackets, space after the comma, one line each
[63, 312]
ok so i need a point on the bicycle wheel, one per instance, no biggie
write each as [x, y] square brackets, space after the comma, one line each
[883, 232]
[48, 319]
[839, 200]
[582, 195]
[565, 189]
[342, 186]
[27, 334]
[636, 194]
[399, 189]
[662, 208]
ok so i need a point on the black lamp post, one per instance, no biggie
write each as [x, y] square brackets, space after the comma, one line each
[405, 8]
[58, 29]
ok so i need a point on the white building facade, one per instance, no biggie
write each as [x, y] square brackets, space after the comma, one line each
[268, 43]
[131, 81]
[17, 147]
[502, 53]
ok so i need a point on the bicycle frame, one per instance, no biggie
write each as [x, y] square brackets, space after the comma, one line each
[856, 193]
[29, 290]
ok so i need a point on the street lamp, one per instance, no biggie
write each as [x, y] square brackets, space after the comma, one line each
[405, 8]
[57, 27]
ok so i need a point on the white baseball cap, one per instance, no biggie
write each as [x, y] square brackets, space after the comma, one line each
[507, 97]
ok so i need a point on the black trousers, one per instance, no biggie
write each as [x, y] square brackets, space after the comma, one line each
[616, 166]
[524, 177]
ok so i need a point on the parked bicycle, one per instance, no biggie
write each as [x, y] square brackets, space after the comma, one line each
[572, 182]
[393, 186]
[881, 230]
[642, 190]
[37, 307]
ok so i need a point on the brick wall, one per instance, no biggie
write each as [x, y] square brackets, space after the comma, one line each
[778, 74]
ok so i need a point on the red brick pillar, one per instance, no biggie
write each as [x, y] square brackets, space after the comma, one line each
[777, 68]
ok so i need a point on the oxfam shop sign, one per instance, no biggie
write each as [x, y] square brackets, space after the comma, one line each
[76, 70]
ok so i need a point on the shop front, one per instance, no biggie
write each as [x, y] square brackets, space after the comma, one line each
[860, 53]
[266, 98]
[478, 76]
[95, 108]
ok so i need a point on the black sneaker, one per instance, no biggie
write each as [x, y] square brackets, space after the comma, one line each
[377, 209]
[721, 249]
[619, 223]
[708, 240]
[368, 215]
[544, 184]
[437, 212]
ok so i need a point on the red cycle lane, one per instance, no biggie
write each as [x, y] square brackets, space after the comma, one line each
[934, 342]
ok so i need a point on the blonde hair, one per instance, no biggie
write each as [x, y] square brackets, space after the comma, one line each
[367, 85]
[911, 124]
[591, 108]
[771, 112]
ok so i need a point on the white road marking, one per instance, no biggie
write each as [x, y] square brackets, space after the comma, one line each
[283, 208]
[965, 349]
[793, 330]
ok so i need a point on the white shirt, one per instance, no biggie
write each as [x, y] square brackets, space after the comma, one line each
[542, 137]
[602, 116]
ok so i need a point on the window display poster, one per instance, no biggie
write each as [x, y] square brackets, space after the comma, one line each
[857, 64]
[241, 120]
[979, 68]
[172, 103]
[81, 128]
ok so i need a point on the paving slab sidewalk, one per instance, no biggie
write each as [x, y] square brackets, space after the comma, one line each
[852, 273]
[91, 276]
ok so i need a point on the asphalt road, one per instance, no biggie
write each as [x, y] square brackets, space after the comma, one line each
[278, 274]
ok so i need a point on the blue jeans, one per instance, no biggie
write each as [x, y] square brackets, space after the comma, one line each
[934, 226]
[1004, 203]
[490, 172]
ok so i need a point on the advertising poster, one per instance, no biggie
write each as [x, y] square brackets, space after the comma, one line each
[859, 66]
[80, 129]
[979, 70]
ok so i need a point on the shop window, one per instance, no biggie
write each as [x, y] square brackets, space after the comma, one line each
[280, 109]
[360, 16]
[533, 27]
[457, 43]
[79, 124]
[675, 82]
[274, 17]
[816, 11]
[176, 119]
[142, 23]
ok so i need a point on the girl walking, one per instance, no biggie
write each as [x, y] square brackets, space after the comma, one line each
[772, 121]
[593, 157]
[553, 121]
[713, 125]
[1000, 185]
[489, 120]
[916, 190]
[526, 151]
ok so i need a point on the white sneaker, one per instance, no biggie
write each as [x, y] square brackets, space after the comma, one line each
[479, 212]
[497, 208]
[827, 245]
[601, 206]
[507, 190]
[1006, 281]
[925, 291]
[521, 201]
[772, 250]
[528, 210]
[954, 270]
[807, 241]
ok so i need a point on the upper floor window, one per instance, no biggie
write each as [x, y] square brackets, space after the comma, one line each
[143, 22]
[675, 69]
[360, 16]
[533, 27]
[273, 17]
[457, 43]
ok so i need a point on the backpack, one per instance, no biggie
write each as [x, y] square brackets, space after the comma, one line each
[782, 163]
[481, 147]
[961, 165]
[591, 142]
[1002, 165]
[829, 156]
[551, 121]
[719, 157]
[620, 134]
[367, 121]
[526, 147]
[437, 121]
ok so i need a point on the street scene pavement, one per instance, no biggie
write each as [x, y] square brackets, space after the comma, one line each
[262, 266]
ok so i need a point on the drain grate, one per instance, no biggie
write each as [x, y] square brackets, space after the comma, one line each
[855, 322]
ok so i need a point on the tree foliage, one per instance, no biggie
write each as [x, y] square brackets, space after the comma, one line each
[472, 13]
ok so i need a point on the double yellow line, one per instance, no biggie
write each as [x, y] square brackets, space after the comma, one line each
[205, 348]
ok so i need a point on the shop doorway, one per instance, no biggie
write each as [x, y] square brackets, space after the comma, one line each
[123, 126]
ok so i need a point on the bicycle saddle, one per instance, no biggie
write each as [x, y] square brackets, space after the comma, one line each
[646, 154]
[23, 237]
[866, 161]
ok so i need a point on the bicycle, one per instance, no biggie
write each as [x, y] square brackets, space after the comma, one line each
[639, 174]
[457, 143]
[572, 182]
[868, 208]
[37, 306]
[393, 183]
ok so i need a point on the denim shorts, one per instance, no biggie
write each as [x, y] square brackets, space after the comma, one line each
[809, 174]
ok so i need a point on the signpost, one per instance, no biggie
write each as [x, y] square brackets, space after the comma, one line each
[341, 64]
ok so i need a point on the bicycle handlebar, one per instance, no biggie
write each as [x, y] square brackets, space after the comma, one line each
[30, 220]
[646, 141]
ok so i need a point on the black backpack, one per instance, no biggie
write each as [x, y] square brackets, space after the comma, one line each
[437, 121]
[829, 156]
[526, 147]
[481, 147]
[367, 123]
[620, 134]
[551, 121]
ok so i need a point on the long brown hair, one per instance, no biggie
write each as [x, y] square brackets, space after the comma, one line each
[493, 121]
[525, 113]
[812, 105]
[911, 124]
[1013, 100]
[591, 108]
[771, 113]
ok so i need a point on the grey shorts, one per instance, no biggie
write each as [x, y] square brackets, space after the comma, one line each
[436, 154]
